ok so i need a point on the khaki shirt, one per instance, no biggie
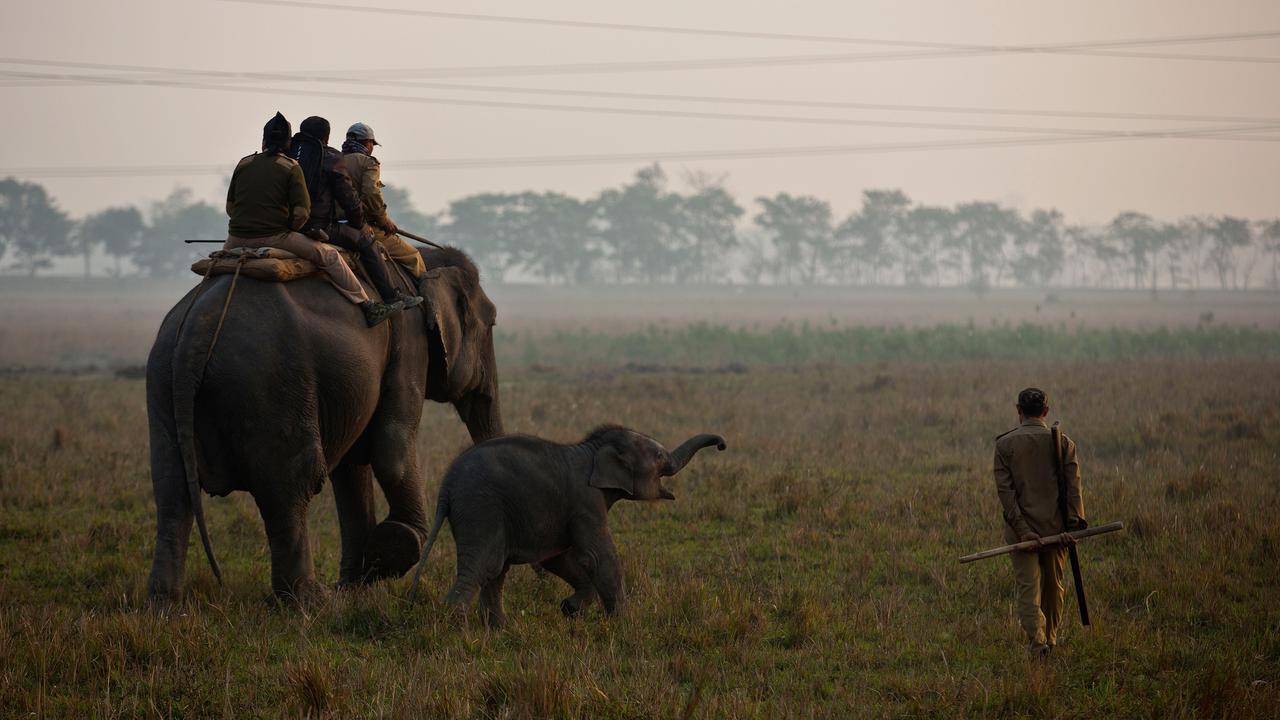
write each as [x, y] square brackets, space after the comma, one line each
[1027, 483]
[267, 196]
[366, 175]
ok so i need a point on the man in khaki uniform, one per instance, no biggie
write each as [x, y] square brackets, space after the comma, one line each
[366, 175]
[268, 203]
[1027, 483]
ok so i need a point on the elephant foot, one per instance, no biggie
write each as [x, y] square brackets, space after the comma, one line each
[570, 607]
[163, 605]
[393, 550]
[493, 620]
[304, 594]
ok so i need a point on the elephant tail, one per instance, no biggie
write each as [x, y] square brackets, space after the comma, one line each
[442, 512]
[188, 374]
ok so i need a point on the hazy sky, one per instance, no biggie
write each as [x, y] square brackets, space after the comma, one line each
[61, 124]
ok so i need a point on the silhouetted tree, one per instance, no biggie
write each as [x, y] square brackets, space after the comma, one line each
[871, 237]
[1195, 236]
[556, 237]
[800, 229]
[118, 229]
[984, 229]
[1142, 240]
[160, 251]
[1269, 233]
[639, 226]
[757, 256]
[708, 219]
[484, 226]
[402, 211]
[1038, 250]
[31, 226]
[1227, 233]
[927, 235]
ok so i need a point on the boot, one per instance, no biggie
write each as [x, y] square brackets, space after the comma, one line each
[376, 312]
[410, 301]
[377, 269]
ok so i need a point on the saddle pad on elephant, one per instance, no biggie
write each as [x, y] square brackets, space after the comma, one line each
[263, 263]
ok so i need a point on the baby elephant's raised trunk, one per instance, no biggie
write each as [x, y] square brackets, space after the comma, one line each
[683, 454]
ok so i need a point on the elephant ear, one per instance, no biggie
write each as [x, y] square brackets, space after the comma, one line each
[609, 471]
[446, 305]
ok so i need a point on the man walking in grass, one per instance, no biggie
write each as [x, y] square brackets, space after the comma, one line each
[1032, 502]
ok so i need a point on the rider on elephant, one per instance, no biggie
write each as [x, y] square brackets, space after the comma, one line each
[330, 189]
[268, 203]
[366, 175]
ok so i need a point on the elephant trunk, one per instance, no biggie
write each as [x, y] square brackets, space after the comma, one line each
[482, 415]
[683, 454]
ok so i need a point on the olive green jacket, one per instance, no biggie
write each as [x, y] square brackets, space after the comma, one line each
[267, 196]
[1027, 482]
[366, 175]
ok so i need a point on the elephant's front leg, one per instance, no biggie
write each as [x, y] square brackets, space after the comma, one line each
[572, 567]
[284, 513]
[396, 543]
[357, 516]
[596, 545]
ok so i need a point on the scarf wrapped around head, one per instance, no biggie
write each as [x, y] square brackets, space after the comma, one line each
[357, 146]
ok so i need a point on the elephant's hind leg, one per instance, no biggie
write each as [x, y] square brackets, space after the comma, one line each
[491, 601]
[283, 506]
[571, 567]
[480, 562]
[173, 524]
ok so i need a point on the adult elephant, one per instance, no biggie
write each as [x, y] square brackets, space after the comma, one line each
[290, 388]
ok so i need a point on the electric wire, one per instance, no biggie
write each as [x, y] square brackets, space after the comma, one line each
[618, 111]
[1069, 47]
[373, 79]
[633, 157]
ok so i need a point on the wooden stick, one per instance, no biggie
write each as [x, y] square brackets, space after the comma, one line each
[1050, 540]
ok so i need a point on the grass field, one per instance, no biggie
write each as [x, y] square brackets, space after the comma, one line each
[808, 571]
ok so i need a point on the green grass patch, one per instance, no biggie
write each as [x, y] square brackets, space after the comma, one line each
[702, 345]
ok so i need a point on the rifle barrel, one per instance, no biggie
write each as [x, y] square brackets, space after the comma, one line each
[419, 238]
[1050, 540]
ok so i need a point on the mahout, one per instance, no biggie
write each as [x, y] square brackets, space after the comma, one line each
[517, 499]
[297, 389]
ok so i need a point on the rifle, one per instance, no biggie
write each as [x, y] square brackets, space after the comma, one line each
[419, 238]
[411, 236]
[1048, 540]
[1056, 432]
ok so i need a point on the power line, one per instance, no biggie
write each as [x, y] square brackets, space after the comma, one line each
[1085, 47]
[617, 158]
[314, 76]
[629, 112]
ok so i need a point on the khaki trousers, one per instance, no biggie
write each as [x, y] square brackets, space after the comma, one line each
[325, 256]
[402, 252]
[1037, 575]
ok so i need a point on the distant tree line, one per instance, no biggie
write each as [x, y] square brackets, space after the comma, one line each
[646, 232]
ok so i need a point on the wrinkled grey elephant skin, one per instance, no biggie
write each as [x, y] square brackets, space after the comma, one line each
[296, 390]
[519, 499]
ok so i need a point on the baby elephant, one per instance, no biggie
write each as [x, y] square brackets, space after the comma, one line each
[518, 499]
